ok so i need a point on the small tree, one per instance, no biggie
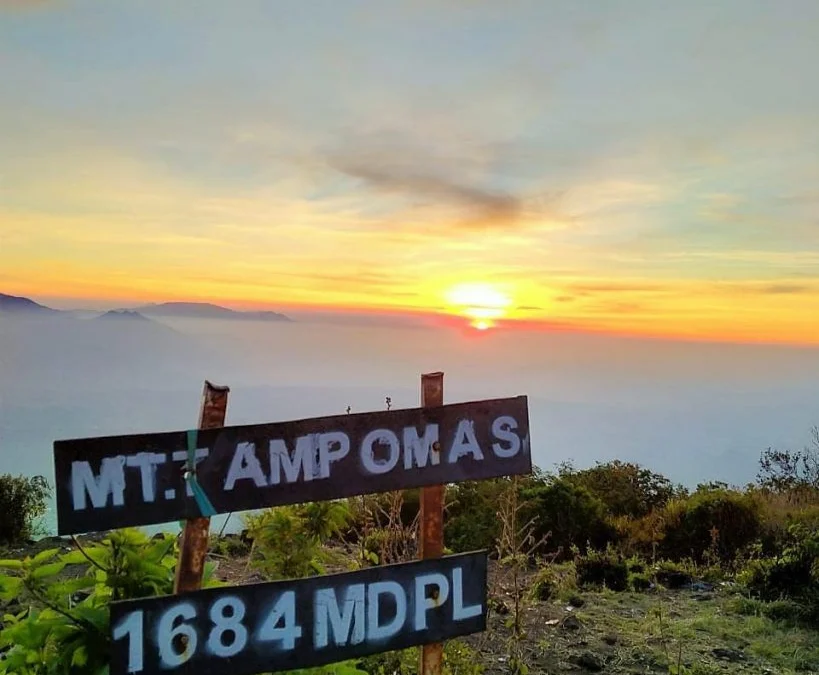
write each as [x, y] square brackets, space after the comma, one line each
[22, 501]
[787, 470]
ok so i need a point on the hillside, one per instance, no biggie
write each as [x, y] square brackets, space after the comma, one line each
[13, 304]
[204, 310]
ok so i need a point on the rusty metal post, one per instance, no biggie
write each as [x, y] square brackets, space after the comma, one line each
[194, 545]
[431, 531]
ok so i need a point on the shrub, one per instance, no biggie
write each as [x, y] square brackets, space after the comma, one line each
[639, 582]
[625, 489]
[472, 522]
[22, 501]
[793, 575]
[602, 568]
[287, 540]
[545, 584]
[673, 575]
[568, 515]
[711, 525]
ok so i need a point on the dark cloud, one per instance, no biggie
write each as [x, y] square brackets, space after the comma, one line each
[488, 207]
[529, 308]
[462, 176]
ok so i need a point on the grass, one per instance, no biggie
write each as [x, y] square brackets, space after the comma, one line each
[669, 628]
[661, 631]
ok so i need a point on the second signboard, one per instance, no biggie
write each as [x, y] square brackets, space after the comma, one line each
[286, 625]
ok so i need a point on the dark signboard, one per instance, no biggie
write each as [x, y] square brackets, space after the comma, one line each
[124, 481]
[286, 625]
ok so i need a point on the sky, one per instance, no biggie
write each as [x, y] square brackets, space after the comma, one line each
[629, 166]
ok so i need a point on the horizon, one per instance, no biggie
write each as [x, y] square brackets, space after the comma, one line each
[341, 168]
[416, 319]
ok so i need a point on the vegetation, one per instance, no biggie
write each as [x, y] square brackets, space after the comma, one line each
[609, 568]
[22, 501]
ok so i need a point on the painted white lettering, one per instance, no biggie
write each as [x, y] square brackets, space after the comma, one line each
[347, 624]
[423, 603]
[381, 437]
[464, 443]
[459, 612]
[147, 463]
[333, 446]
[111, 481]
[302, 462]
[245, 465]
[419, 450]
[503, 429]
[375, 631]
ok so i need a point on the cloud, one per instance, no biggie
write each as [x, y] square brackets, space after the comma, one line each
[489, 207]
[787, 289]
[455, 180]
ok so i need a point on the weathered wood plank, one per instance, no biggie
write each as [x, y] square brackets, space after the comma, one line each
[122, 481]
[286, 625]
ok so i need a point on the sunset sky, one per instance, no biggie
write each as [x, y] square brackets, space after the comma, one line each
[628, 165]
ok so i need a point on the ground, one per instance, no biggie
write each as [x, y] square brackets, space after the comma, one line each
[653, 632]
[701, 631]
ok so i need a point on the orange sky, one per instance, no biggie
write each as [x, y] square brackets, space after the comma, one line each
[598, 182]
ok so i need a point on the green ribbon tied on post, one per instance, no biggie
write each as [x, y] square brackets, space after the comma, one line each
[205, 507]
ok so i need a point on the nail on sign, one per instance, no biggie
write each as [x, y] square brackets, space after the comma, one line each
[124, 481]
[309, 622]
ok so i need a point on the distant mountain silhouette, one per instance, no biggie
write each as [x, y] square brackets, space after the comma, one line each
[13, 304]
[204, 310]
[123, 315]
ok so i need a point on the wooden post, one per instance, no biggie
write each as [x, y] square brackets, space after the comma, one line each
[194, 546]
[431, 531]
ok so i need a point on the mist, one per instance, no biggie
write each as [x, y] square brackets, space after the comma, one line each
[695, 412]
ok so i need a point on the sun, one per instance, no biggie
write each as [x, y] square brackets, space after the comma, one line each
[483, 303]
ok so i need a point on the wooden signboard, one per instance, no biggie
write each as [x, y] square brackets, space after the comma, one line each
[303, 623]
[124, 481]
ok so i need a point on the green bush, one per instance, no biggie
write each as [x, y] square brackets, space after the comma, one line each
[545, 584]
[710, 526]
[288, 540]
[602, 569]
[639, 582]
[567, 515]
[472, 521]
[625, 489]
[22, 501]
[792, 575]
[674, 574]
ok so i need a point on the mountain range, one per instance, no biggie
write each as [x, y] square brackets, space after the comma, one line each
[11, 304]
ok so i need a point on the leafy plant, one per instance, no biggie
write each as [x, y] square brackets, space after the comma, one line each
[57, 604]
[22, 501]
